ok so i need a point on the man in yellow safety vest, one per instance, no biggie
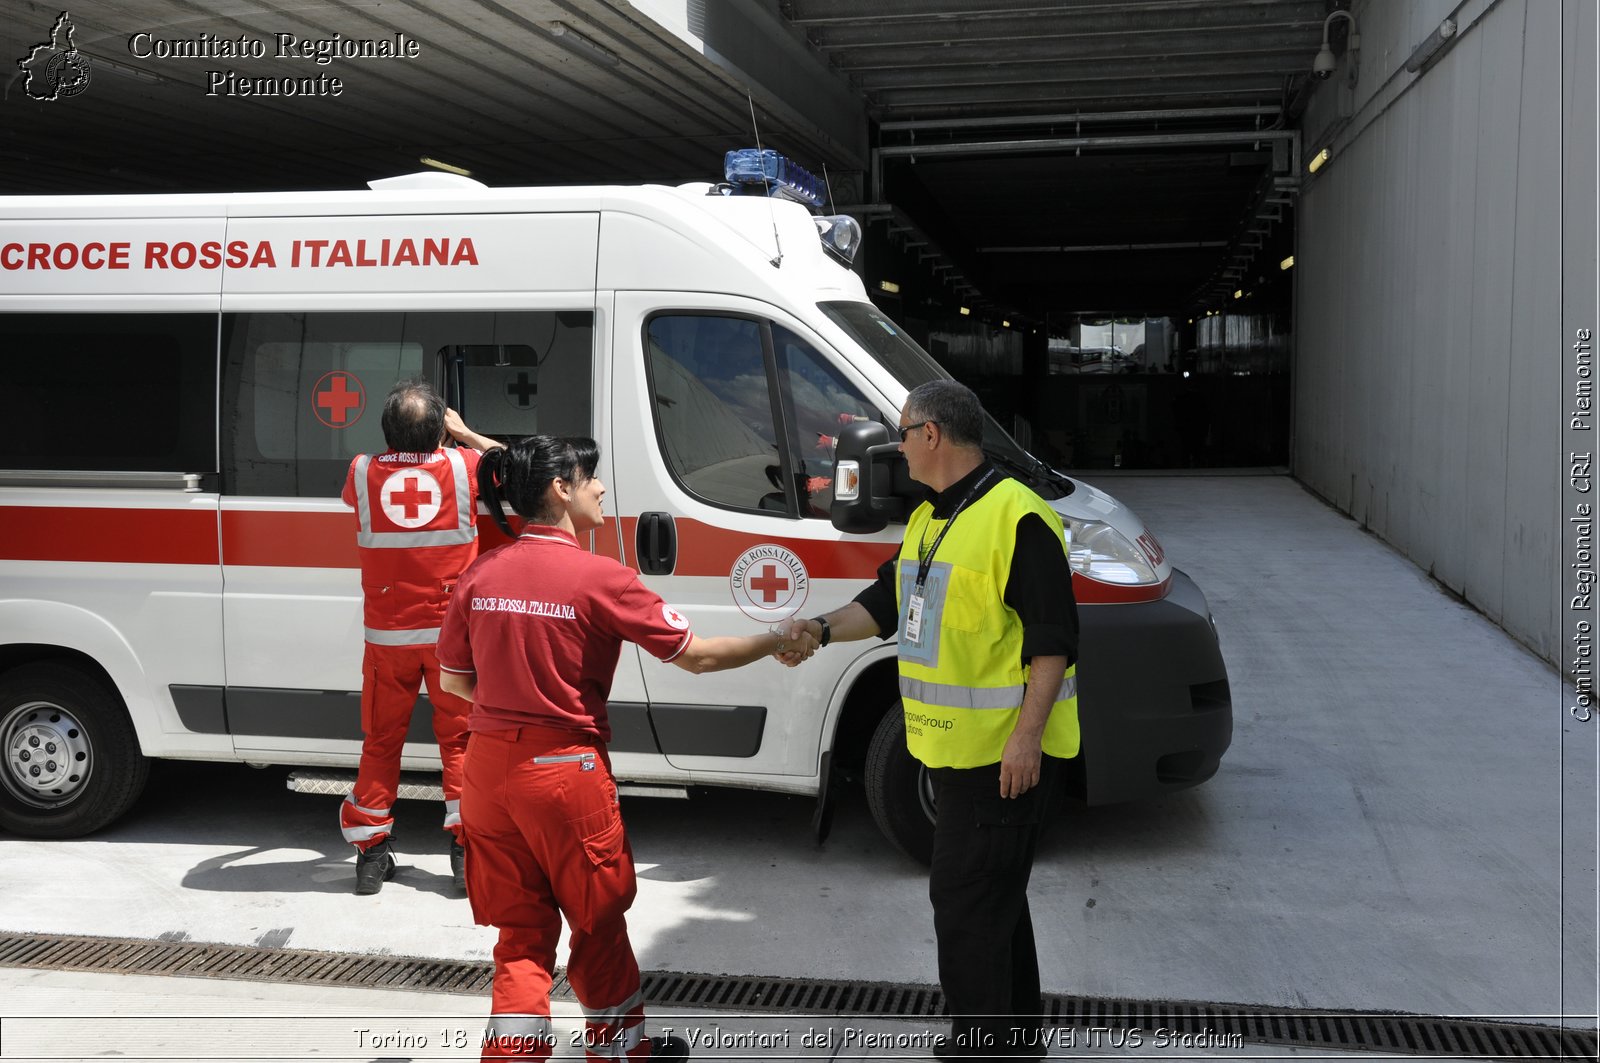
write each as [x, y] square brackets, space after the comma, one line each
[980, 597]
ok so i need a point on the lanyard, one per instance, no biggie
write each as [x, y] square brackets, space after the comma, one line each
[926, 563]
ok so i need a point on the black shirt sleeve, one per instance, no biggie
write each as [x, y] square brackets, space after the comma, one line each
[878, 599]
[1040, 590]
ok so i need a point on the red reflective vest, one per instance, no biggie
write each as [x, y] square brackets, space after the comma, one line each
[416, 517]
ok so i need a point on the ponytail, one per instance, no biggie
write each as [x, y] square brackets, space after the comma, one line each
[521, 474]
[489, 487]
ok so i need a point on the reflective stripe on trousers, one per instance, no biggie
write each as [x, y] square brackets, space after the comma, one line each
[513, 1036]
[607, 1016]
[625, 1041]
[951, 696]
[422, 636]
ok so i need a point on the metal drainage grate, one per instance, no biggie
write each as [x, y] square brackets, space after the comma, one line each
[1218, 1024]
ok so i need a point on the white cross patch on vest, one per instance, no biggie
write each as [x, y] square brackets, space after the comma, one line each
[411, 497]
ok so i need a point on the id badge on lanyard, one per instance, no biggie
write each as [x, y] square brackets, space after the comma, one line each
[915, 603]
[914, 616]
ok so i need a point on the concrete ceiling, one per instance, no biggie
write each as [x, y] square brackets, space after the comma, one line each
[960, 122]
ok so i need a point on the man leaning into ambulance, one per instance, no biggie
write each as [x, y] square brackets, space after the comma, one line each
[416, 531]
[980, 594]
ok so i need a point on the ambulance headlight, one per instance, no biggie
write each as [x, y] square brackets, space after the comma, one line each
[847, 481]
[1097, 550]
[840, 234]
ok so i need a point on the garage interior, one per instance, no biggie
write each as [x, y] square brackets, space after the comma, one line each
[1070, 193]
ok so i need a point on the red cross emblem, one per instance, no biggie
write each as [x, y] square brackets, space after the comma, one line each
[411, 497]
[769, 583]
[338, 400]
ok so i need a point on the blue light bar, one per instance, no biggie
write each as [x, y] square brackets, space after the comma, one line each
[756, 172]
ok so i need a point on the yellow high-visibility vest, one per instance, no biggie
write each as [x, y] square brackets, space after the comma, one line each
[962, 680]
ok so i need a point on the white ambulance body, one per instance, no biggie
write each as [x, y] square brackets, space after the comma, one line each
[192, 374]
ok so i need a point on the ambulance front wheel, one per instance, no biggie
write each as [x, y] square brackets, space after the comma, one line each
[899, 792]
[69, 758]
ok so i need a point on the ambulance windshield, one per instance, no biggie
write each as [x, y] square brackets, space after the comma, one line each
[911, 365]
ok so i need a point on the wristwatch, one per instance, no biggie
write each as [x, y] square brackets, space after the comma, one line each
[780, 630]
[827, 631]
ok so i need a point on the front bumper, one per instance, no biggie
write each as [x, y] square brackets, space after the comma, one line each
[1154, 707]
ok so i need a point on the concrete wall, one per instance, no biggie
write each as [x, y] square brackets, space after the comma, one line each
[1428, 391]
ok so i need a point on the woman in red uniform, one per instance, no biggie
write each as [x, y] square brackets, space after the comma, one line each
[531, 637]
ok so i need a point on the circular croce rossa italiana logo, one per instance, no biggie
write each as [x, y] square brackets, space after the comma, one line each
[769, 583]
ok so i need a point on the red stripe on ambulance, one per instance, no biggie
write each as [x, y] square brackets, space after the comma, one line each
[116, 536]
[327, 540]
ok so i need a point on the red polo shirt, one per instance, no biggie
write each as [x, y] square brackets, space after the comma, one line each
[541, 622]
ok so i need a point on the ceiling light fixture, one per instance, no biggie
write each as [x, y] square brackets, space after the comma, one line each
[445, 166]
[566, 35]
[1433, 47]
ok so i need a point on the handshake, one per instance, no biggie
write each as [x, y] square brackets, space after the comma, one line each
[797, 640]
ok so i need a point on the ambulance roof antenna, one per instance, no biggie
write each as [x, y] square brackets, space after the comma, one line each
[828, 185]
[777, 262]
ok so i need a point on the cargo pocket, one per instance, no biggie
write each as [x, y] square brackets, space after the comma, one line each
[1007, 827]
[609, 885]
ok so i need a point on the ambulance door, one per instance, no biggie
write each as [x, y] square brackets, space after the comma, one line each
[732, 408]
[554, 383]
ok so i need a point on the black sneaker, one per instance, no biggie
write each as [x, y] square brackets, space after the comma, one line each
[374, 867]
[458, 864]
[668, 1048]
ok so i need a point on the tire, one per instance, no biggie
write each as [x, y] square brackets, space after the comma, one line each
[69, 758]
[898, 791]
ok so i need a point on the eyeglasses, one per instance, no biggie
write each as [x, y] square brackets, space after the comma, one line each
[904, 429]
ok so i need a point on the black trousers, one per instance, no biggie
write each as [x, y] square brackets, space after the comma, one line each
[983, 846]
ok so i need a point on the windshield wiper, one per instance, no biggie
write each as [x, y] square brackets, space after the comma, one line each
[1038, 470]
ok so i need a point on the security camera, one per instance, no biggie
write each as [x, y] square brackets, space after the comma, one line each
[1323, 65]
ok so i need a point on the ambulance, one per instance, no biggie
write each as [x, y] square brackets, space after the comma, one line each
[189, 377]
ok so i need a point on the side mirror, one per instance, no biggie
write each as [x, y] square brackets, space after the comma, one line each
[871, 485]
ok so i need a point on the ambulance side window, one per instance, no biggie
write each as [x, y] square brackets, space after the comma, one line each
[713, 409]
[822, 401]
[303, 393]
[536, 378]
[110, 392]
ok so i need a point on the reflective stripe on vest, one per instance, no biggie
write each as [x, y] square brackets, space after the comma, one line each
[962, 683]
[463, 532]
[950, 696]
[425, 636]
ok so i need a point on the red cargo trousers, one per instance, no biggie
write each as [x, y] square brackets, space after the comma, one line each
[391, 676]
[545, 840]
